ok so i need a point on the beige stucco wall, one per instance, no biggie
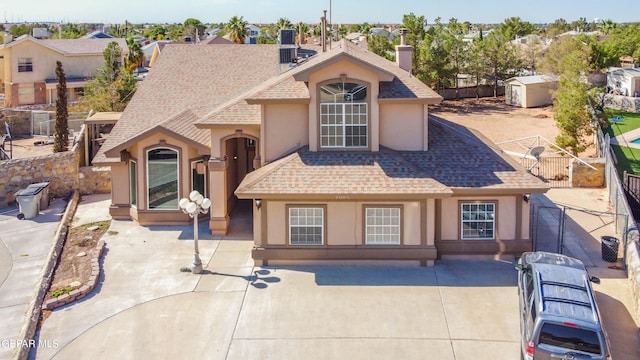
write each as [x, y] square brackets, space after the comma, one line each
[404, 126]
[352, 72]
[221, 132]
[138, 152]
[285, 128]
[344, 222]
[506, 217]
[44, 63]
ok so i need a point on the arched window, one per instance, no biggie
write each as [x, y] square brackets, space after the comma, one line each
[162, 179]
[343, 115]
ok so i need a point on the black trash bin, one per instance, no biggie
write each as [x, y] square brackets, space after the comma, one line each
[610, 248]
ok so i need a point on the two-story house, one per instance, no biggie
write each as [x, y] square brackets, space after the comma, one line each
[28, 67]
[338, 156]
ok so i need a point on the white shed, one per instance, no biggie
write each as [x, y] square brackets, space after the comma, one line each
[623, 81]
[530, 91]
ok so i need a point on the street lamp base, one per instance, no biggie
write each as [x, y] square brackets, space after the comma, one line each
[197, 266]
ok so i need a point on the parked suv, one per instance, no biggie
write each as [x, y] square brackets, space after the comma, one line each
[559, 318]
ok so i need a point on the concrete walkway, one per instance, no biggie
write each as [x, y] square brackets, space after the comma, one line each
[24, 247]
[144, 307]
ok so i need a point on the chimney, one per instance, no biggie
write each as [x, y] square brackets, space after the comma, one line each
[404, 52]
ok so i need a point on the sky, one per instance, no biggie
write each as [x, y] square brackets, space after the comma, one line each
[342, 11]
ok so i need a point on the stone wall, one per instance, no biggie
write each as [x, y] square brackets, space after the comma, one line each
[62, 170]
[582, 176]
[624, 103]
[59, 169]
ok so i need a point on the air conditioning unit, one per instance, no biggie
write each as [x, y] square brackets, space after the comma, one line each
[287, 55]
[287, 37]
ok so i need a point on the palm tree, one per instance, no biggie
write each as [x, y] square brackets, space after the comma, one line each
[283, 24]
[237, 28]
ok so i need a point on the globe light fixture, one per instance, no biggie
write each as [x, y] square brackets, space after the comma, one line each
[193, 206]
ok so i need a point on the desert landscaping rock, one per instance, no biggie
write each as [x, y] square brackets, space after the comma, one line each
[81, 254]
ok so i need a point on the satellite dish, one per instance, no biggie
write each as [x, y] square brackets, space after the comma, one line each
[536, 151]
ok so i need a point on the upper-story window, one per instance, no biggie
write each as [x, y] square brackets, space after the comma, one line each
[25, 65]
[344, 116]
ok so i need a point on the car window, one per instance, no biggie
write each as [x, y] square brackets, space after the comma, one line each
[569, 337]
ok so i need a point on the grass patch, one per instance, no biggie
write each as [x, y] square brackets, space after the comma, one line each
[628, 159]
[631, 122]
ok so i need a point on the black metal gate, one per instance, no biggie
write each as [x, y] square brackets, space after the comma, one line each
[554, 170]
[552, 225]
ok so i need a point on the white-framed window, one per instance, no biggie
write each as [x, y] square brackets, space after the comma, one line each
[306, 225]
[382, 225]
[133, 182]
[25, 64]
[344, 117]
[199, 177]
[162, 179]
[477, 220]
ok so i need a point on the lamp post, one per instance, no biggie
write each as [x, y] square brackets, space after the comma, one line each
[195, 205]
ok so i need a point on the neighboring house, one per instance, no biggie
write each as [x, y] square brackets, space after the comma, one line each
[151, 52]
[41, 33]
[530, 91]
[623, 81]
[382, 32]
[336, 158]
[98, 35]
[215, 40]
[28, 67]
[253, 31]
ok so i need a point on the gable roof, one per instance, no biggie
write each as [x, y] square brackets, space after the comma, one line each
[459, 161]
[222, 84]
[199, 78]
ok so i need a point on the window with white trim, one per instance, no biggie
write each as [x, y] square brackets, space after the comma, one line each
[25, 65]
[477, 221]
[133, 182]
[382, 226]
[162, 179]
[344, 115]
[306, 225]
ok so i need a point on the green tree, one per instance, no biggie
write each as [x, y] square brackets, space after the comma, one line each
[416, 26]
[237, 29]
[113, 86]
[381, 46]
[175, 31]
[61, 135]
[135, 56]
[514, 27]
[558, 27]
[501, 59]
[434, 60]
[193, 28]
[156, 32]
[20, 29]
[69, 31]
[343, 30]
[572, 103]
[283, 24]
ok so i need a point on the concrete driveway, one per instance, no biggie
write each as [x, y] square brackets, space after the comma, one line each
[144, 307]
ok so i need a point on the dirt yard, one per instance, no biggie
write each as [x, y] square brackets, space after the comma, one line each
[500, 122]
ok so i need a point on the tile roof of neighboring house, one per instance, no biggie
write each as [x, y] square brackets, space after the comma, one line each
[457, 159]
[216, 40]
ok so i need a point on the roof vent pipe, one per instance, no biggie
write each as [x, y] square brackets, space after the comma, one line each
[323, 32]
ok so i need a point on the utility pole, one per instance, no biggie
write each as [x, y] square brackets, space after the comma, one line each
[331, 25]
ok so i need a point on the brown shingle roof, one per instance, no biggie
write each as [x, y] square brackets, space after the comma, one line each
[189, 77]
[457, 159]
[383, 173]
